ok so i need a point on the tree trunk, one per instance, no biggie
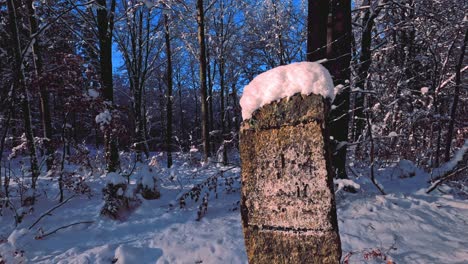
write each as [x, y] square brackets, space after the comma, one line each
[223, 110]
[339, 57]
[210, 77]
[2, 143]
[105, 22]
[365, 61]
[136, 70]
[280, 36]
[169, 93]
[181, 112]
[317, 29]
[139, 130]
[44, 98]
[456, 97]
[145, 122]
[203, 88]
[19, 84]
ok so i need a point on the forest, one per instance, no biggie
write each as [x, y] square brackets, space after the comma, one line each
[120, 124]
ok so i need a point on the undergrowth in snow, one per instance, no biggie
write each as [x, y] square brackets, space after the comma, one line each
[405, 226]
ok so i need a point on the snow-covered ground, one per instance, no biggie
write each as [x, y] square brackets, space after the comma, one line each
[405, 226]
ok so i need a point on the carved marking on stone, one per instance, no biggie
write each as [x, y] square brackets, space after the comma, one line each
[287, 208]
[291, 199]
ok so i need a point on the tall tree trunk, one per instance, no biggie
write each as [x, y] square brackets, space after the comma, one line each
[339, 57]
[105, 23]
[139, 129]
[223, 110]
[365, 61]
[280, 36]
[2, 142]
[19, 83]
[236, 107]
[44, 98]
[145, 121]
[169, 93]
[181, 112]
[203, 86]
[210, 76]
[138, 75]
[317, 29]
[456, 97]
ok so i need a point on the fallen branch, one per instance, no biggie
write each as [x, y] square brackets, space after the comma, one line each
[445, 178]
[50, 210]
[62, 227]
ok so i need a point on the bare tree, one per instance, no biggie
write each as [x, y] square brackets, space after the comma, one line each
[456, 96]
[105, 24]
[365, 60]
[19, 84]
[44, 97]
[339, 58]
[203, 84]
[169, 91]
[139, 50]
[317, 29]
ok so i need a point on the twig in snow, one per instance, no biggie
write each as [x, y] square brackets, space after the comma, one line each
[50, 210]
[445, 178]
[353, 172]
[62, 227]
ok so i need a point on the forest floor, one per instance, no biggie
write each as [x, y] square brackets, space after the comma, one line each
[405, 226]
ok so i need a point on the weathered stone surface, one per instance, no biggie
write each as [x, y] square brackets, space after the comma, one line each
[301, 247]
[288, 207]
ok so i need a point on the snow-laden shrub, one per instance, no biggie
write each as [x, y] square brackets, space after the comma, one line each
[346, 185]
[225, 180]
[147, 182]
[119, 199]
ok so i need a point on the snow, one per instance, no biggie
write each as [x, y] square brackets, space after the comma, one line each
[115, 178]
[424, 90]
[407, 169]
[407, 225]
[93, 93]
[16, 235]
[129, 254]
[193, 149]
[338, 89]
[104, 118]
[451, 164]
[154, 233]
[147, 180]
[285, 81]
[342, 183]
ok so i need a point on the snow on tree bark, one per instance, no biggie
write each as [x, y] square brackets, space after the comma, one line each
[203, 84]
[19, 84]
[43, 95]
[339, 56]
[288, 204]
[105, 24]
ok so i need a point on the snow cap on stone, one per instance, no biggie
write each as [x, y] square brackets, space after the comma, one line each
[285, 81]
